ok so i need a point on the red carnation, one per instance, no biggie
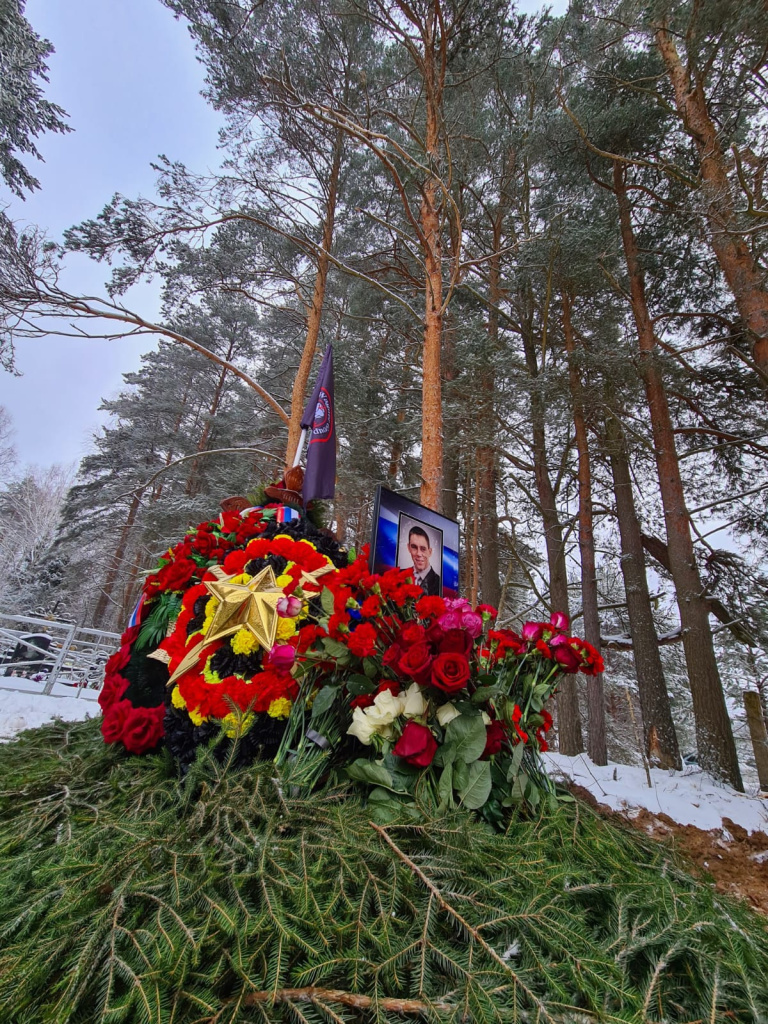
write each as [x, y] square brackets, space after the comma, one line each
[371, 607]
[417, 745]
[411, 633]
[416, 662]
[204, 544]
[365, 700]
[143, 729]
[450, 672]
[388, 684]
[487, 609]
[362, 641]
[430, 607]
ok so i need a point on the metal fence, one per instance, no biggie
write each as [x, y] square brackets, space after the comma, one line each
[49, 652]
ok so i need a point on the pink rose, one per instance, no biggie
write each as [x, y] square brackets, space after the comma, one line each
[532, 631]
[282, 656]
[288, 607]
[559, 620]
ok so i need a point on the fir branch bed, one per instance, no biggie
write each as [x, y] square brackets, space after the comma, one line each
[127, 895]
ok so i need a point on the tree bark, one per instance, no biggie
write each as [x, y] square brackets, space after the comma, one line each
[714, 736]
[315, 310]
[758, 735]
[105, 597]
[568, 716]
[596, 736]
[744, 276]
[431, 404]
[490, 584]
[660, 738]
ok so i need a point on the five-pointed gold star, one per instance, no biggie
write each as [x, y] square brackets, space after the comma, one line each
[312, 577]
[251, 606]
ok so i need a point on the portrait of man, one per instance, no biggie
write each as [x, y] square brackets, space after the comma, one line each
[407, 535]
[419, 548]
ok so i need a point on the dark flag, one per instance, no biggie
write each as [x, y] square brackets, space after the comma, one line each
[319, 421]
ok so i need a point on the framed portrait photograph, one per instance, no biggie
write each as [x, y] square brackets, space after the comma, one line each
[407, 535]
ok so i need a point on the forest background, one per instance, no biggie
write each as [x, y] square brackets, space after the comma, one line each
[538, 245]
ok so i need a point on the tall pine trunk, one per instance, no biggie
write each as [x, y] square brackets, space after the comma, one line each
[568, 716]
[745, 278]
[315, 310]
[105, 597]
[431, 493]
[490, 584]
[716, 748]
[596, 738]
[660, 739]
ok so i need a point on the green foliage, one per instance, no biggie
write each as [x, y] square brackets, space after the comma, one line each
[165, 608]
[129, 895]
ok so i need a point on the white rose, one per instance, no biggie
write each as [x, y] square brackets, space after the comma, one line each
[415, 705]
[446, 713]
[386, 708]
[361, 727]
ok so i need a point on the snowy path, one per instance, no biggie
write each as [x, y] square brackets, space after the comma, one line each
[690, 797]
[29, 709]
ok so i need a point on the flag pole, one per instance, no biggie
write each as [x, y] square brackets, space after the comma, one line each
[300, 447]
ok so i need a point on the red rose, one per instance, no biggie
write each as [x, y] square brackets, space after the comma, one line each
[411, 633]
[417, 745]
[365, 700]
[416, 662]
[450, 672]
[495, 734]
[566, 657]
[392, 655]
[118, 660]
[455, 641]
[362, 641]
[114, 720]
[388, 684]
[176, 574]
[113, 689]
[143, 729]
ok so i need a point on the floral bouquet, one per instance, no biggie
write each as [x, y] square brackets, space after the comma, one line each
[440, 708]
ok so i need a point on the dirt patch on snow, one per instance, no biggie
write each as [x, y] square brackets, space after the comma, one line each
[734, 860]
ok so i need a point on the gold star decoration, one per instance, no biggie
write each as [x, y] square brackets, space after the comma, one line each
[312, 577]
[251, 606]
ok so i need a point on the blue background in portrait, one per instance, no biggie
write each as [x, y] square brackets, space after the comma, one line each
[385, 550]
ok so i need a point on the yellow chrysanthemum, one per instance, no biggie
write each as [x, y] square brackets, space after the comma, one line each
[286, 628]
[284, 580]
[243, 578]
[244, 642]
[176, 699]
[211, 677]
[210, 611]
[279, 708]
[196, 718]
[283, 536]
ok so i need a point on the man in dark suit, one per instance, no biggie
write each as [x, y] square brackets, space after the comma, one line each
[421, 552]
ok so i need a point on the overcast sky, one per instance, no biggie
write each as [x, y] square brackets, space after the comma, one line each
[125, 72]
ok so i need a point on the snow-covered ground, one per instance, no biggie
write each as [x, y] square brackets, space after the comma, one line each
[31, 708]
[690, 797]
